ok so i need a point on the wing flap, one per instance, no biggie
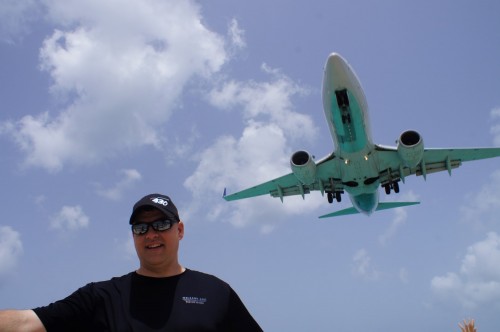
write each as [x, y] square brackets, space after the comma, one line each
[434, 160]
[287, 185]
[460, 154]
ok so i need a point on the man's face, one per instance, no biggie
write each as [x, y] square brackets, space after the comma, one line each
[157, 250]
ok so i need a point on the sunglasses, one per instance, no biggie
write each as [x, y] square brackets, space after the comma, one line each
[160, 225]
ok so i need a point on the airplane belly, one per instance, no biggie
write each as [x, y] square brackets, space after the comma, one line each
[360, 175]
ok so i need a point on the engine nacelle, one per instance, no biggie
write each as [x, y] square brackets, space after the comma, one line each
[410, 148]
[303, 167]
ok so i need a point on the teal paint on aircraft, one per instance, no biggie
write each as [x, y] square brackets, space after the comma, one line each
[366, 202]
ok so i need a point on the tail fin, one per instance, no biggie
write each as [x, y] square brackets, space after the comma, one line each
[381, 206]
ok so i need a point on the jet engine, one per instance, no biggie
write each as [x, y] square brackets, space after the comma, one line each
[303, 167]
[410, 148]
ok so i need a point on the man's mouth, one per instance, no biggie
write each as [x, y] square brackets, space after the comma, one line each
[154, 246]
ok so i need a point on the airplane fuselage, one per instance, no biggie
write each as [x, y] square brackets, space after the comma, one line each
[346, 112]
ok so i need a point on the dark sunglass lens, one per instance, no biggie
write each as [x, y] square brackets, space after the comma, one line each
[161, 225]
[140, 228]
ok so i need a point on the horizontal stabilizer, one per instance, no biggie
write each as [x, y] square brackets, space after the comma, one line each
[344, 212]
[392, 205]
[381, 206]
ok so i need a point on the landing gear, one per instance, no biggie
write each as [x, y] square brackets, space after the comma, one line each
[343, 104]
[395, 186]
[346, 118]
[342, 98]
[391, 185]
[337, 196]
[387, 188]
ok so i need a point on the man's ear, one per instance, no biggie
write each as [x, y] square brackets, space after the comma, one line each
[180, 229]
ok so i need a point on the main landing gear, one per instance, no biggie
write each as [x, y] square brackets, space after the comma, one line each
[330, 196]
[391, 185]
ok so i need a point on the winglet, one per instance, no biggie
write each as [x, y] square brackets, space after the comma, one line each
[224, 193]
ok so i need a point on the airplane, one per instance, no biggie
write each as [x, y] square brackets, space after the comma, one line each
[357, 165]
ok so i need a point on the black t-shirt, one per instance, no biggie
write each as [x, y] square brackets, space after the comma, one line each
[192, 301]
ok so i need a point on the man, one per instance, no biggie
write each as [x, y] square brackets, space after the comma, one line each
[161, 295]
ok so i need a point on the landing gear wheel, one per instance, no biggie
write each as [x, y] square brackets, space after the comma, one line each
[338, 197]
[329, 196]
[395, 186]
[387, 188]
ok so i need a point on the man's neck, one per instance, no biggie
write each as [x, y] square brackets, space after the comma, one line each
[161, 273]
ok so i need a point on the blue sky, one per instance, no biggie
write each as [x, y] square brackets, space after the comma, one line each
[105, 101]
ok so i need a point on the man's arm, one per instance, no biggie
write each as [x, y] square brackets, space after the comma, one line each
[239, 319]
[20, 320]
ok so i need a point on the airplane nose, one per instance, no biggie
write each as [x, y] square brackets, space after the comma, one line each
[335, 61]
[336, 72]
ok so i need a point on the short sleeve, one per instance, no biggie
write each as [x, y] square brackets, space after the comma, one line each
[238, 317]
[73, 313]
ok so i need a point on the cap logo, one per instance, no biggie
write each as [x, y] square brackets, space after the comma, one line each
[160, 200]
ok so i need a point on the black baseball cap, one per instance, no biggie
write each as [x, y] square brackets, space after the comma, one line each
[158, 201]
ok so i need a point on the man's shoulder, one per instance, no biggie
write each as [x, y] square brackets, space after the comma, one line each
[114, 282]
[203, 277]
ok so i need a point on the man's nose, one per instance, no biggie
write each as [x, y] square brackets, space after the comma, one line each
[151, 232]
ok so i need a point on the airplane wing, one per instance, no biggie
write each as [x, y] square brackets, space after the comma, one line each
[433, 160]
[289, 185]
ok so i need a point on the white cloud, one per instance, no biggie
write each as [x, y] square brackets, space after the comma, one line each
[236, 35]
[478, 281]
[267, 101]
[400, 217]
[70, 219]
[15, 18]
[260, 154]
[129, 178]
[495, 129]
[11, 249]
[484, 205]
[118, 69]
[363, 267]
